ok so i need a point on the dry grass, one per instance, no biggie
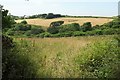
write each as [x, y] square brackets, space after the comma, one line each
[46, 22]
[55, 56]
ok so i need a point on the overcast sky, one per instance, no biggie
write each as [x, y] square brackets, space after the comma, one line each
[65, 7]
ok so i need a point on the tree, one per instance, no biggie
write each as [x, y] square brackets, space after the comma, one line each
[24, 22]
[52, 30]
[50, 16]
[69, 27]
[56, 23]
[37, 30]
[7, 20]
[43, 15]
[87, 26]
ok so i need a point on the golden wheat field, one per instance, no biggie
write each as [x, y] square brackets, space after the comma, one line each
[46, 22]
[54, 57]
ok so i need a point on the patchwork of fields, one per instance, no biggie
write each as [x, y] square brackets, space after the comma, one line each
[46, 22]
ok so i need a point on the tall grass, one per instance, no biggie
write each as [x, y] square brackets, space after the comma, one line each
[75, 57]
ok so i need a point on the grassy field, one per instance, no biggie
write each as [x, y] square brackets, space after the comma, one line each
[46, 22]
[55, 57]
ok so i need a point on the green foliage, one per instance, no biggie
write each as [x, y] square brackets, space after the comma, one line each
[66, 34]
[36, 30]
[69, 27]
[87, 26]
[50, 16]
[100, 60]
[96, 27]
[52, 30]
[118, 39]
[47, 35]
[10, 32]
[28, 33]
[22, 27]
[56, 23]
[46, 16]
[24, 22]
[16, 63]
[79, 33]
[110, 31]
[7, 20]
[94, 32]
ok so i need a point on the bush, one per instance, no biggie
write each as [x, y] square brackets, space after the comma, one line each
[100, 61]
[50, 16]
[36, 30]
[47, 35]
[28, 33]
[110, 31]
[56, 23]
[24, 22]
[87, 26]
[66, 34]
[96, 27]
[15, 60]
[94, 32]
[41, 35]
[79, 33]
[22, 27]
[52, 30]
[10, 32]
[116, 26]
[69, 27]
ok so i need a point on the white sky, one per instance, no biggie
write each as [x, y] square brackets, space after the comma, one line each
[66, 7]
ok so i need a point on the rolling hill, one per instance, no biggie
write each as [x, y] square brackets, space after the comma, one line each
[46, 22]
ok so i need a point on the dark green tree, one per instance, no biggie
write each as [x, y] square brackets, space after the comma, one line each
[50, 16]
[24, 22]
[87, 26]
[52, 30]
[7, 20]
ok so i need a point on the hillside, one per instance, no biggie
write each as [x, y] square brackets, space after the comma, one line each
[46, 22]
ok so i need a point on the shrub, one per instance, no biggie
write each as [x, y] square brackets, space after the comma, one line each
[69, 27]
[10, 32]
[96, 27]
[28, 33]
[47, 35]
[87, 26]
[109, 24]
[109, 31]
[36, 30]
[79, 33]
[22, 27]
[100, 61]
[41, 35]
[16, 63]
[50, 16]
[52, 30]
[24, 22]
[56, 23]
[66, 34]
[94, 32]
[116, 26]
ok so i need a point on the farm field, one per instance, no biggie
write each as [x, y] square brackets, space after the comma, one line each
[47, 39]
[55, 57]
[46, 22]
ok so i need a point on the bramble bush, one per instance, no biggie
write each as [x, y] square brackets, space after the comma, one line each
[16, 63]
[101, 60]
